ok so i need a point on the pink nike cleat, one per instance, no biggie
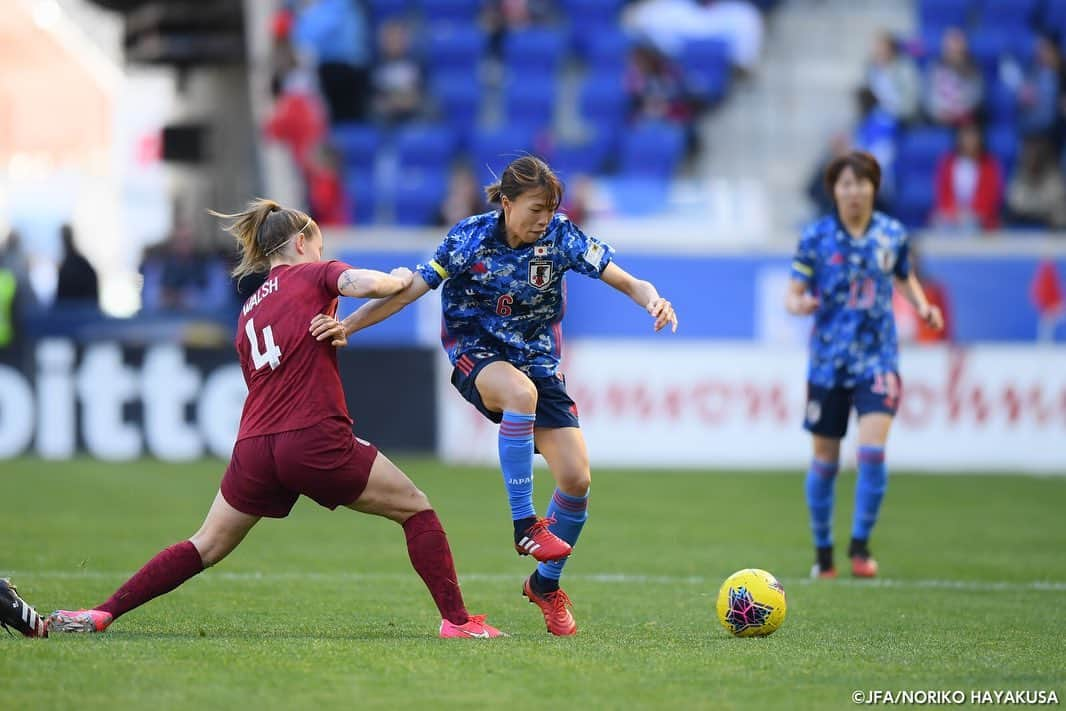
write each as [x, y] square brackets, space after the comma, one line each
[541, 543]
[474, 627]
[84, 621]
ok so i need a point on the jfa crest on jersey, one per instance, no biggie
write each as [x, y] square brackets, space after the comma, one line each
[854, 336]
[508, 300]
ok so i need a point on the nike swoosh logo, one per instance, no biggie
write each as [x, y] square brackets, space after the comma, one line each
[482, 635]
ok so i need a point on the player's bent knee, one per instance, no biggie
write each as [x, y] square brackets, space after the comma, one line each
[522, 397]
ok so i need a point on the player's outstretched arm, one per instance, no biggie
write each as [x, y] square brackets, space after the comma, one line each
[644, 293]
[323, 326]
[912, 289]
[372, 284]
[798, 301]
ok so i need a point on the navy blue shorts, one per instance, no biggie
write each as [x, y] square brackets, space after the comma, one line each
[554, 407]
[828, 409]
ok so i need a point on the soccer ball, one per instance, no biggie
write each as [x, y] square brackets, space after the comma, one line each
[751, 603]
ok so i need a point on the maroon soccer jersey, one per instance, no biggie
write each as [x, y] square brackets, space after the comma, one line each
[293, 381]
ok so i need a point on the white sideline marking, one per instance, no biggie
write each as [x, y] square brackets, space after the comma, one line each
[603, 578]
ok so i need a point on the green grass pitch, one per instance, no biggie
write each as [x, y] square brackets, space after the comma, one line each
[323, 611]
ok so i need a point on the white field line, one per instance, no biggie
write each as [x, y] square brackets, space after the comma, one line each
[601, 578]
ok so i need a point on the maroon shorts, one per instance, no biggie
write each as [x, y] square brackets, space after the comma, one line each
[326, 462]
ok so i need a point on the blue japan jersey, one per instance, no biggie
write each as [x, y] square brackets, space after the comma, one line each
[509, 301]
[854, 337]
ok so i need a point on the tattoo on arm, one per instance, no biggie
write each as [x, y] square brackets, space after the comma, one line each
[347, 281]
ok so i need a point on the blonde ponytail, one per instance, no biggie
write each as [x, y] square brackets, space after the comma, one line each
[261, 229]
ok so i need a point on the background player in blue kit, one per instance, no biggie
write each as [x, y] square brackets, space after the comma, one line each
[503, 301]
[843, 273]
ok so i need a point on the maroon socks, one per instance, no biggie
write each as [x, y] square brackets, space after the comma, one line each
[427, 545]
[170, 568]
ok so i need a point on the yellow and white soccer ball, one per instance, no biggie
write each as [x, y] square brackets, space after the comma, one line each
[751, 603]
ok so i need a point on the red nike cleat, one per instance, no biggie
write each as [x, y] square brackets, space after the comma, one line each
[541, 543]
[554, 606]
[474, 627]
[83, 621]
[863, 567]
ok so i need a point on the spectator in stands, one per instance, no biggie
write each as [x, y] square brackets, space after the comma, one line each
[893, 79]
[1036, 195]
[334, 34]
[326, 196]
[670, 23]
[176, 274]
[77, 284]
[839, 146]
[16, 298]
[398, 80]
[655, 86]
[1038, 96]
[462, 199]
[577, 200]
[954, 88]
[298, 118]
[969, 185]
[876, 134]
[502, 16]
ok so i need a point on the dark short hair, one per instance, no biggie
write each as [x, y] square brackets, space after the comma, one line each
[526, 174]
[864, 165]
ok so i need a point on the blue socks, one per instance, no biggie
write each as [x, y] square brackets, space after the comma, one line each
[570, 513]
[869, 490]
[821, 480]
[516, 462]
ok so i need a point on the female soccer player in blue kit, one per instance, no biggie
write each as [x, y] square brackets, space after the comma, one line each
[503, 303]
[843, 273]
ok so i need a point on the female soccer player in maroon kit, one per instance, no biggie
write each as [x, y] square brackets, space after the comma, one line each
[295, 434]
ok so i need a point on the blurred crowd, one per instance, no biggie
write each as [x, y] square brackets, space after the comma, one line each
[350, 76]
[968, 121]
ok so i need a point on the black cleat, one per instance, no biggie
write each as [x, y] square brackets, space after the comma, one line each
[16, 613]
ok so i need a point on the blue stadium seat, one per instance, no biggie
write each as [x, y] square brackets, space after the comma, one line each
[589, 156]
[1002, 104]
[458, 100]
[943, 13]
[359, 187]
[607, 50]
[1053, 18]
[530, 100]
[652, 149]
[592, 13]
[381, 10]
[706, 65]
[921, 149]
[1015, 14]
[603, 100]
[358, 143]
[1002, 142]
[534, 51]
[492, 149]
[426, 147]
[451, 11]
[914, 199]
[454, 48]
[418, 198]
[989, 44]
